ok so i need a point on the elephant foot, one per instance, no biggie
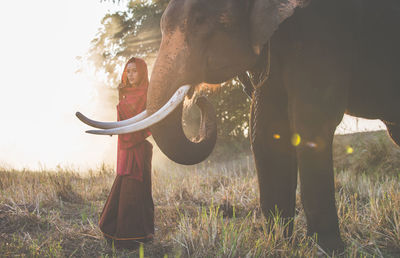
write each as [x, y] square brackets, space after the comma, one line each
[330, 244]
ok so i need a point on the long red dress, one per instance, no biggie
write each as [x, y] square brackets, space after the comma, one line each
[128, 214]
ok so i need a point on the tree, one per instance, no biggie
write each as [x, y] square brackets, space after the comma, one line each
[136, 32]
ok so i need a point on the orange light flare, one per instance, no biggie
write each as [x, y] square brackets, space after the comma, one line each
[276, 136]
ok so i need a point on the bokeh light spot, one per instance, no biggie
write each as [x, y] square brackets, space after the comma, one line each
[296, 139]
[276, 136]
[349, 150]
[311, 144]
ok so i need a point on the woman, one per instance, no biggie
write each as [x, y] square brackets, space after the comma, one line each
[128, 214]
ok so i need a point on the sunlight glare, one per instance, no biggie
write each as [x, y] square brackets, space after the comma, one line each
[41, 89]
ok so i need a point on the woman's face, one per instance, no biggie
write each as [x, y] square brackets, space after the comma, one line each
[132, 74]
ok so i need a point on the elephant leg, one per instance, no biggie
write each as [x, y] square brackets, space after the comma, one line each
[394, 132]
[275, 157]
[314, 117]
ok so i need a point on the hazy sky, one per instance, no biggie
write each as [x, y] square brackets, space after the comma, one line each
[41, 92]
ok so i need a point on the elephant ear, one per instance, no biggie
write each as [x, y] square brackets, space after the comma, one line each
[265, 17]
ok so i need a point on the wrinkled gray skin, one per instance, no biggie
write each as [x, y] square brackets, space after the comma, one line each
[328, 58]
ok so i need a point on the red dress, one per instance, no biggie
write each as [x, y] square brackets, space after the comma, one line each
[128, 214]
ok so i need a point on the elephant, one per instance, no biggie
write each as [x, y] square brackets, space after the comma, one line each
[319, 59]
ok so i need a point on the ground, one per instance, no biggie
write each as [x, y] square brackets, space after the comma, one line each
[208, 210]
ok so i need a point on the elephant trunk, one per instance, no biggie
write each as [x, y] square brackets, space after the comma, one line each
[168, 133]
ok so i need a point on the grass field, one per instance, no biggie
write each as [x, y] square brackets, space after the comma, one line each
[208, 210]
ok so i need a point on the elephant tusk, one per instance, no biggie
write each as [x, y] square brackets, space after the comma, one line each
[110, 125]
[172, 103]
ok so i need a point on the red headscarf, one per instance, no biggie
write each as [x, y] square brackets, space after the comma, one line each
[132, 101]
[141, 68]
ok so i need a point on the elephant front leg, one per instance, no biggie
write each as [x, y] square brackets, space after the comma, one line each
[274, 155]
[314, 121]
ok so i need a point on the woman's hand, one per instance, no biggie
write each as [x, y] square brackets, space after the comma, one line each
[121, 86]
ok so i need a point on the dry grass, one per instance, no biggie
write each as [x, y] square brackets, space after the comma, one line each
[209, 210]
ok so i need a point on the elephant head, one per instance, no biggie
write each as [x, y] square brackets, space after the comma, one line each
[205, 41]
